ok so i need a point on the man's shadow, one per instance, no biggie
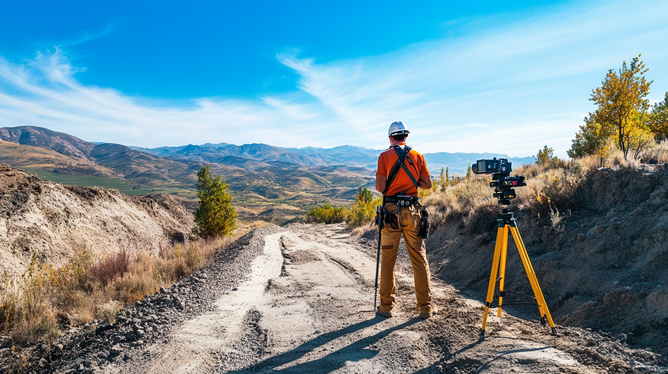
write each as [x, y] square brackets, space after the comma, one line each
[449, 355]
[354, 352]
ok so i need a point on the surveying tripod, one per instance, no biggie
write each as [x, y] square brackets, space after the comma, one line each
[506, 222]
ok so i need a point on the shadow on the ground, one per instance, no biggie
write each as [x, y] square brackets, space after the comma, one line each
[448, 356]
[353, 352]
[502, 354]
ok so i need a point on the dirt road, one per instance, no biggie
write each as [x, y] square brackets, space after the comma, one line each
[305, 305]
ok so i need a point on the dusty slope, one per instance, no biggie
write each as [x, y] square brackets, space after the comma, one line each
[51, 220]
[605, 267]
[44, 138]
[30, 157]
[303, 306]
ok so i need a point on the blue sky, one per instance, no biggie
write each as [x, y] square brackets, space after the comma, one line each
[464, 76]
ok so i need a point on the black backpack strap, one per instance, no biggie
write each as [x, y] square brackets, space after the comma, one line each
[403, 154]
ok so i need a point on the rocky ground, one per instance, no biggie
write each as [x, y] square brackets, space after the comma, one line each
[51, 221]
[602, 266]
[299, 299]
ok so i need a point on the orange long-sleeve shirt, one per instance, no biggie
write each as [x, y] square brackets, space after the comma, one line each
[402, 183]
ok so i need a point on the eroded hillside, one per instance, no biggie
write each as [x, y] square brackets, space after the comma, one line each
[52, 221]
[604, 266]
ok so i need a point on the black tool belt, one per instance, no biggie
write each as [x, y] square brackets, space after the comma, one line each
[402, 200]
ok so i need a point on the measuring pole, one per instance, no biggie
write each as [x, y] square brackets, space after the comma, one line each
[379, 214]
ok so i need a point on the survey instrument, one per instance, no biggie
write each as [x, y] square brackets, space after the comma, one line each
[504, 191]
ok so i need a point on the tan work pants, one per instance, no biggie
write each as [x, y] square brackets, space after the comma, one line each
[409, 226]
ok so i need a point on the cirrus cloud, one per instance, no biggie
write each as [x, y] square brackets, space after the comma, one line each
[509, 88]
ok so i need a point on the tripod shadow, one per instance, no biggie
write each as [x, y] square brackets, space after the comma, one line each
[353, 352]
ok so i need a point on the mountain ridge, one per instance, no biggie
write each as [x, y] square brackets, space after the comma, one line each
[348, 155]
[262, 178]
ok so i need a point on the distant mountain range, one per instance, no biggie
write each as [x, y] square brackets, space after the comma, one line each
[310, 156]
[262, 178]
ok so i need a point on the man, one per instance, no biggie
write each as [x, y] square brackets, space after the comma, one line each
[399, 183]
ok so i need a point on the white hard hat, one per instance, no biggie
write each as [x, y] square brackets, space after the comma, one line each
[397, 128]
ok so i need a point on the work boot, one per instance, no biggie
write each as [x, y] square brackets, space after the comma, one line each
[425, 315]
[384, 313]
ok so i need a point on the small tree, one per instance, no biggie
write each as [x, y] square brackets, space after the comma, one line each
[215, 215]
[364, 195]
[658, 120]
[620, 100]
[639, 137]
[447, 179]
[363, 209]
[545, 155]
[468, 173]
[442, 180]
[592, 139]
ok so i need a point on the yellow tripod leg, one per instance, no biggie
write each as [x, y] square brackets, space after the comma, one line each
[502, 267]
[542, 304]
[501, 237]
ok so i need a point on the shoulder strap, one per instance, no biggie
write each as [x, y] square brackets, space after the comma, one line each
[403, 154]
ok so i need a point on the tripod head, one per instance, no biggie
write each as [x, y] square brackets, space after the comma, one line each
[502, 182]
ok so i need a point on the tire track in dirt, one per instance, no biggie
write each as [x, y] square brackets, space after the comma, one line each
[192, 344]
[306, 306]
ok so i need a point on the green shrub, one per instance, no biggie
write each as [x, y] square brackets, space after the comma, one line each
[327, 213]
[363, 210]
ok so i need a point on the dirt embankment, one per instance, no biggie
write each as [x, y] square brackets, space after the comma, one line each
[603, 267]
[52, 221]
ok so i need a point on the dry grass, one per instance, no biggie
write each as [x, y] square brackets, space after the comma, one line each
[550, 193]
[363, 229]
[37, 304]
[659, 153]
[462, 201]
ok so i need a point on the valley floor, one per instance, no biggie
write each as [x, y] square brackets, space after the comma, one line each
[304, 305]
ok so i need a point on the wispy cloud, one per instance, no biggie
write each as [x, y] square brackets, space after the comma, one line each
[88, 36]
[510, 89]
[528, 82]
[45, 92]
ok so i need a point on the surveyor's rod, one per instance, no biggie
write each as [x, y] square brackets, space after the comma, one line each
[379, 212]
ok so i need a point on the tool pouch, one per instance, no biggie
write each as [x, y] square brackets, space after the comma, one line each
[384, 217]
[381, 217]
[424, 224]
[392, 219]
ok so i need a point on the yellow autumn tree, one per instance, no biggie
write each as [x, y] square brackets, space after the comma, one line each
[593, 138]
[622, 102]
[639, 135]
[658, 120]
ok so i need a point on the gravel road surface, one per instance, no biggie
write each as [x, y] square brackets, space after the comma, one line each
[299, 300]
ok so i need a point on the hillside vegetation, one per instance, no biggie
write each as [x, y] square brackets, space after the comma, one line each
[596, 238]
